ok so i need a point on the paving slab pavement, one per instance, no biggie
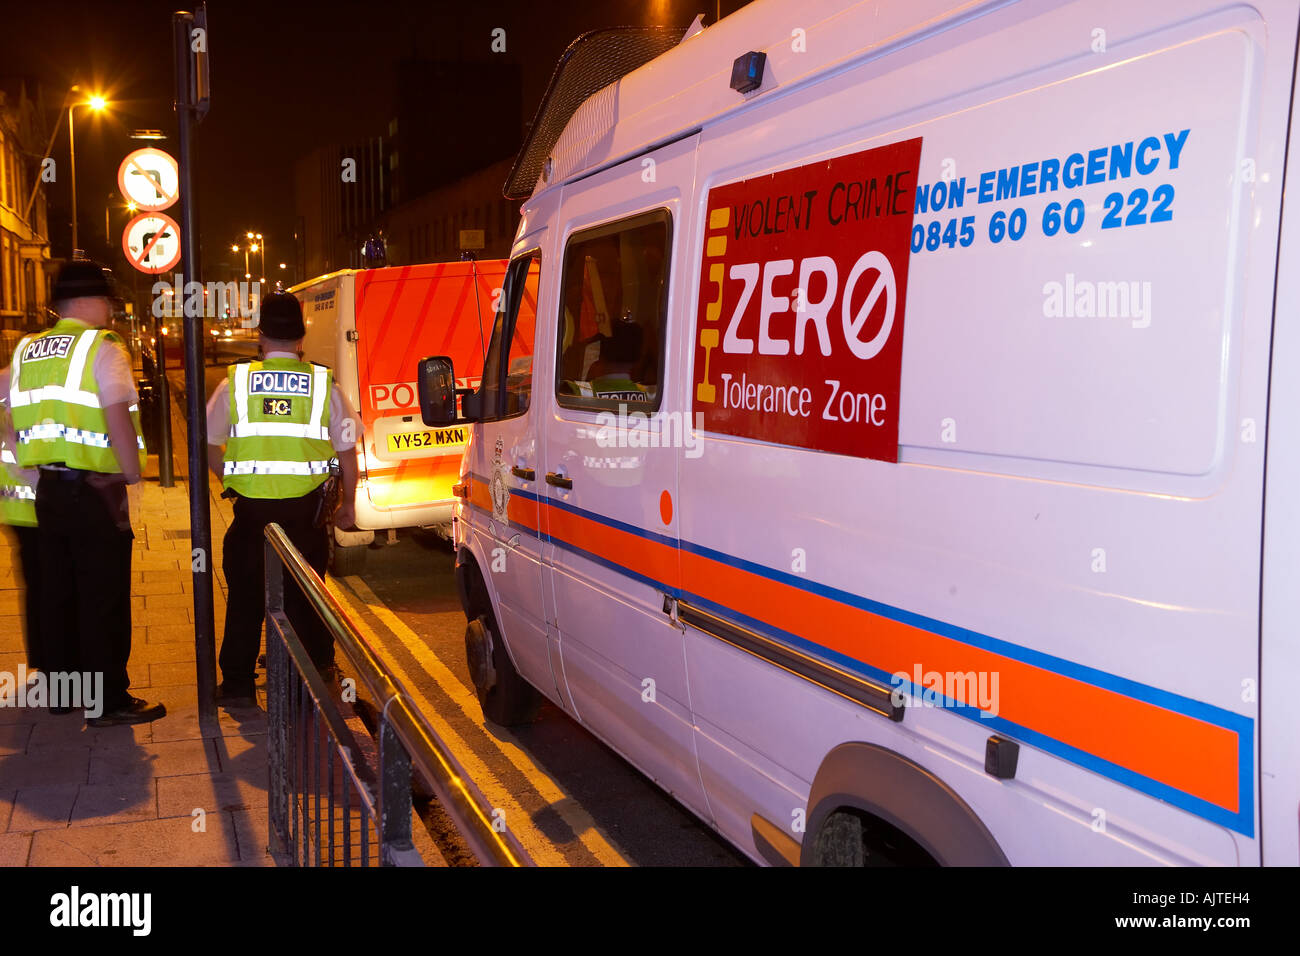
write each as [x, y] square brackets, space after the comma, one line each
[159, 794]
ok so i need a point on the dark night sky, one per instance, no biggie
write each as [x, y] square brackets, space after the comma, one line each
[287, 77]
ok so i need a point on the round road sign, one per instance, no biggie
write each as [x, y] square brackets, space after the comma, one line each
[150, 179]
[152, 241]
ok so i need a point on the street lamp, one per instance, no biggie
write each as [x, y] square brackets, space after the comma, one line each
[96, 103]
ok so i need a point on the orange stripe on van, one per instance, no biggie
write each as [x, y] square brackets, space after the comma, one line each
[479, 495]
[1192, 755]
[524, 511]
[651, 559]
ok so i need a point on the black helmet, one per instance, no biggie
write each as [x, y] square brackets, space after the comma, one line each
[281, 317]
[84, 278]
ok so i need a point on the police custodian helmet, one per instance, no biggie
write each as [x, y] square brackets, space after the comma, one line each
[84, 278]
[281, 317]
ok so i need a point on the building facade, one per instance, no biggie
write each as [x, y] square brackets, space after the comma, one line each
[339, 191]
[25, 266]
[443, 223]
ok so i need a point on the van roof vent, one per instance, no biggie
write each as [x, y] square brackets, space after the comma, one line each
[591, 63]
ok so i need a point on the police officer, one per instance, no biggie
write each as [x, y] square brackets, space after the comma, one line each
[286, 426]
[74, 407]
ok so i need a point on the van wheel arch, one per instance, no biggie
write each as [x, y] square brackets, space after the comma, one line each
[872, 784]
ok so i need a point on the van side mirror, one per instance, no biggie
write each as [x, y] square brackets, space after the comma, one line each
[436, 383]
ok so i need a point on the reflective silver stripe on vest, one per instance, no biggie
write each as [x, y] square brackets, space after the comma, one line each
[241, 393]
[18, 492]
[48, 431]
[70, 391]
[15, 392]
[7, 457]
[278, 430]
[296, 468]
[319, 396]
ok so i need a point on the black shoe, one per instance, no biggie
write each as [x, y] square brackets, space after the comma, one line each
[236, 695]
[134, 711]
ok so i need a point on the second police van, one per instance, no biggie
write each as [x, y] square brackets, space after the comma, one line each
[898, 460]
[371, 326]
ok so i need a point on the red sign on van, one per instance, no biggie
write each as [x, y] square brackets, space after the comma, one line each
[799, 335]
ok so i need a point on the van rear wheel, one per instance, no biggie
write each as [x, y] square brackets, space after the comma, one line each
[506, 698]
[850, 838]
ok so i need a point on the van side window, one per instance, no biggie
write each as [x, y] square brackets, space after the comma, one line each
[508, 372]
[613, 314]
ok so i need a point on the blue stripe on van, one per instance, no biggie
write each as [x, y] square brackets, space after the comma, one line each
[1241, 821]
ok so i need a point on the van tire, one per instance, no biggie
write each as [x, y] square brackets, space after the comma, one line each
[506, 698]
[849, 838]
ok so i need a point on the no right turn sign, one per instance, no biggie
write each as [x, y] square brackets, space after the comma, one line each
[152, 241]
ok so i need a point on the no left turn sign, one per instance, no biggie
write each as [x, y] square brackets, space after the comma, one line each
[152, 241]
[150, 179]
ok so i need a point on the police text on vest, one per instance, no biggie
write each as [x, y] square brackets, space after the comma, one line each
[266, 382]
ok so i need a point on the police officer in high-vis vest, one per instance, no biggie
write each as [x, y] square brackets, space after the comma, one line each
[286, 428]
[74, 407]
[18, 513]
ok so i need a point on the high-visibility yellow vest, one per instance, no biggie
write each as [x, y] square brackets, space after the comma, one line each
[17, 497]
[54, 400]
[279, 443]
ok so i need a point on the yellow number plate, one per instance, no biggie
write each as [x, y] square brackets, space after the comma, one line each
[448, 438]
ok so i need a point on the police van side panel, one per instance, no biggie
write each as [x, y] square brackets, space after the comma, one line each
[1280, 598]
[1073, 513]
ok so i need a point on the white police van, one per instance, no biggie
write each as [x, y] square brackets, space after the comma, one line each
[899, 462]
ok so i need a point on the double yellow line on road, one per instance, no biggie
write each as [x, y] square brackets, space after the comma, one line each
[360, 597]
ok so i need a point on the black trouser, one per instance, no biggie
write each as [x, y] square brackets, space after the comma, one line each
[84, 538]
[242, 560]
[29, 556]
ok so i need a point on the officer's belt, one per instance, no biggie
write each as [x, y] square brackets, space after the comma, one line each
[64, 473]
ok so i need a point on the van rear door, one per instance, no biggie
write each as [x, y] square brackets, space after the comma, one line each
[404, 314]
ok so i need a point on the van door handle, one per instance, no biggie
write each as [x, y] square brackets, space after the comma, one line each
[527, 474]
[559, 481]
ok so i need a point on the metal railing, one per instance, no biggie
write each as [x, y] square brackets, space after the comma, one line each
[304, 718]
